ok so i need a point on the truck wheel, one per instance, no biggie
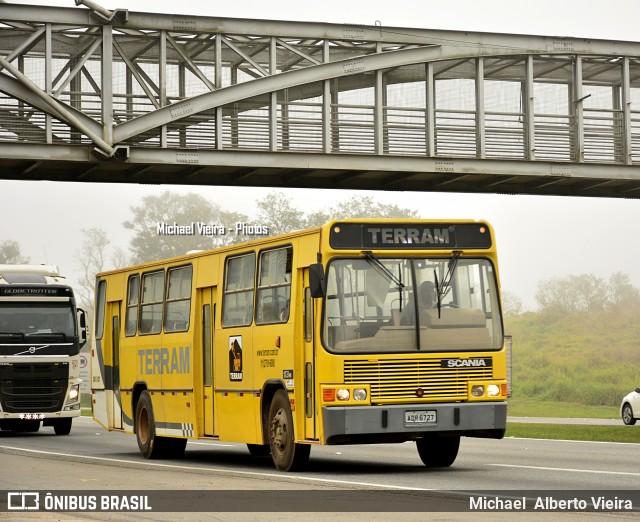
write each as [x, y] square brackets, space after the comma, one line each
[438, 452]
[286, 454]
[62, 426]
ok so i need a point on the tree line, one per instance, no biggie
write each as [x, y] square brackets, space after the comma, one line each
[559, 296]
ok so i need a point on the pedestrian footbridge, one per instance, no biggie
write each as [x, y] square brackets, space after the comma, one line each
[93, 95]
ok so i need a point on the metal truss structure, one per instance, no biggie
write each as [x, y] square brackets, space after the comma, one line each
[88, 94]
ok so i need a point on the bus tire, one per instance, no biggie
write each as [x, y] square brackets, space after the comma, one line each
[151, 445]
[62, 426]
[286, 454]
[259, 450]
[438, 452]
[146, 427]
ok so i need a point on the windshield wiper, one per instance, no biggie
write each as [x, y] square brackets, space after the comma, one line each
[10, 336]
[377, 264]
[443, 289]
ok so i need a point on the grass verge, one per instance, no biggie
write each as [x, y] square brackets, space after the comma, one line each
[523, 407]
[574, 432]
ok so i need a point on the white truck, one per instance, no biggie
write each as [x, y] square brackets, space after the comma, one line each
[41, 334]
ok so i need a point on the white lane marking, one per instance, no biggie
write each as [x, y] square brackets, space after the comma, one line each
[213, 444]
[543, 468]
[576, 441]
[219, 470]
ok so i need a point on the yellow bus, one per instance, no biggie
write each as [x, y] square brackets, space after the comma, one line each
[355, 332]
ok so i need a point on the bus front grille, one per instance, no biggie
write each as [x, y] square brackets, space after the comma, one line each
[428, 380]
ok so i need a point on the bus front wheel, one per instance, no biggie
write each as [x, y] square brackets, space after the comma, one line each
[438, 452]
[286, 454]
[151, 445]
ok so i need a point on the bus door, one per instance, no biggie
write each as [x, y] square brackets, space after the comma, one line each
[114, 318]
[309, 360]
[207, 331]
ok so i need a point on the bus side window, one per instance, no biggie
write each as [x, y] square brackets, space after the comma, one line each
[133, 297]
[151, 302]
[178, 302]
[101, 299]
[239, 288]
[274, 286]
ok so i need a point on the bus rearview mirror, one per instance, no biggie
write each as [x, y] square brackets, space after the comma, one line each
[317, 283]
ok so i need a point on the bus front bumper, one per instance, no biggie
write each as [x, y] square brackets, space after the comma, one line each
[402, 422]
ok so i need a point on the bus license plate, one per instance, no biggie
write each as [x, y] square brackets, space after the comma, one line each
[420, 417]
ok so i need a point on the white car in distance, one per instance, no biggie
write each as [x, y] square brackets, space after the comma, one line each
[630, 407]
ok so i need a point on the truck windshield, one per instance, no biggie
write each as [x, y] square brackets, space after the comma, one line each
[22, 321]
[367, 311]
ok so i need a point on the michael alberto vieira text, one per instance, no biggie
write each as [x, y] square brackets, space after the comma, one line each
[599, 503]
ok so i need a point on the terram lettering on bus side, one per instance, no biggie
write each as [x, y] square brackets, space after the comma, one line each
[163, 361]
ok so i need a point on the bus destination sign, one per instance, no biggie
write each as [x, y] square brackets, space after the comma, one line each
[433, 236]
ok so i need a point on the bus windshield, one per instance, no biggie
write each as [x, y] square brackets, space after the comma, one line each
[22, 321]
[384, 305]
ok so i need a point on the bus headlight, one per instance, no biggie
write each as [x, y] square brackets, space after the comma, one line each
[477, 390]
[359, 394]
[343, 394]
[493, 390]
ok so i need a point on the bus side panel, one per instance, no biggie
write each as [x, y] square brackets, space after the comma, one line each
[236, 395]
[305, 396]
[176, 366]
[235, 416]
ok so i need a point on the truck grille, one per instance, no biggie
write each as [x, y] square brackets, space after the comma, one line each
[399, 380]
[36, 388]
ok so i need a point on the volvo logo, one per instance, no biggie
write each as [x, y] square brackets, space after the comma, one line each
[32, 349]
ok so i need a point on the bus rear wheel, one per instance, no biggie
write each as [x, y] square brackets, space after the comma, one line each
[438, 452]
[62, 426]
[286, 454]
[151, 445]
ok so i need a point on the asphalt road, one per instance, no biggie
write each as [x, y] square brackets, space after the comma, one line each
[93, 459]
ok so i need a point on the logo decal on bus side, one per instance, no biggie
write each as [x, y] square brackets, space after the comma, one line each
[164, 361]
[235, 358]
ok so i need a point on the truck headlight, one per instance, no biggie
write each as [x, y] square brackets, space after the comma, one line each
[74, 393]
